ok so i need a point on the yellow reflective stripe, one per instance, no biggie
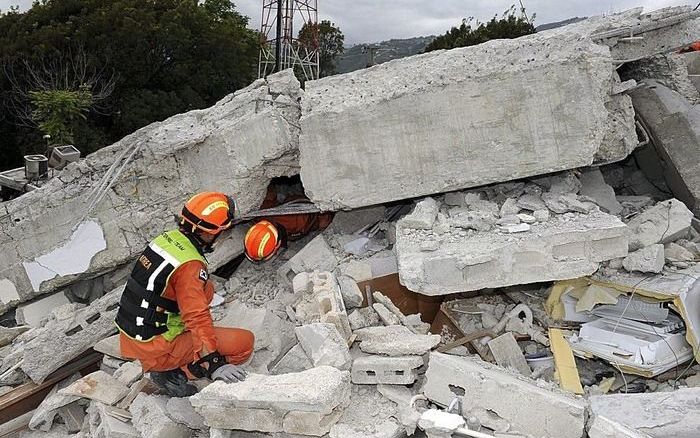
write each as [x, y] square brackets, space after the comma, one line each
[263, 242]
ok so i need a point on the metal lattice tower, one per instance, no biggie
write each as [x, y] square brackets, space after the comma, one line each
[280, 49]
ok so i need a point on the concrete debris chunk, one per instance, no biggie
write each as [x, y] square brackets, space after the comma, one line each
[8, 334]
[180, 410]
[508, 354]
[352, 296]
[647, 259]
[129, 372]
[395, 340]
[62, 341]
[676, 253]
[110, 347]
[602, 427]
[44, 244]
[376, 370]
[594, 186]
[564, 247]
[363, 317]
[529, 408]
[322, 301]
[436, 86]
[311, 401]
[44, 415]
[317, 255]
[294, 361]
[665, 222]
[423, 215]
[98, 386]
[324, 345]
[659, 414]
[385, 315]
[413, 322]
[405, 412]
[144, 385]
[35, 313]
[532, 202]
[151, 420]
[73, 416]
[103, 423]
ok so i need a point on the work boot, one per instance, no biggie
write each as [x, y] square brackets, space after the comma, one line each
[174, 383]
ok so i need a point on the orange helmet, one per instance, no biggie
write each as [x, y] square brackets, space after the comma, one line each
[263, 240]
[210, 212]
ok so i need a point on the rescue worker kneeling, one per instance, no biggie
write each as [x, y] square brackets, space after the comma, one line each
[164, 316]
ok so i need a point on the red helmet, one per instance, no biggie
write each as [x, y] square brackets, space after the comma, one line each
[263, 240]
[210, 212]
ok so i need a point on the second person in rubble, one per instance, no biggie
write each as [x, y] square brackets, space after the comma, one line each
[164, 316]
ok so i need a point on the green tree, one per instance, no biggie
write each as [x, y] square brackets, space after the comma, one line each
[166, 57]
[56, 110]
[329, 40]
[512, 24]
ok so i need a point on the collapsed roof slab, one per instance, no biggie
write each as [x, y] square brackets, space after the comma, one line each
[566, 246]
[100, 212]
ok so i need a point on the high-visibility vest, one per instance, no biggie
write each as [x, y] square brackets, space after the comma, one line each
[143, 311]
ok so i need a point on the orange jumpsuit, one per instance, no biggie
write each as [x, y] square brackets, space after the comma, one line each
[193, 296]
[296, 225]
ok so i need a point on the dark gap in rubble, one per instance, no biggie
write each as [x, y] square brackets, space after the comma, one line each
[399, 372]
[74, 331]
[457, 390]
[93, 318]
[371, 373]
[112, 307]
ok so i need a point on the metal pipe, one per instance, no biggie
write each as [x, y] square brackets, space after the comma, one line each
[278, 44]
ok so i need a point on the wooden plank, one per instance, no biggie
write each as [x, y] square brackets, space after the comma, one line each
[466, 339]
[564, 362]
[28, 396]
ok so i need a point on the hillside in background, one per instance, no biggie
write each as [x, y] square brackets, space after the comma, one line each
[354, 58]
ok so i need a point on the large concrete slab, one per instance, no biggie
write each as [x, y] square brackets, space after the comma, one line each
[490, 391]
[99, 213]
[674, 126]
[565, 246]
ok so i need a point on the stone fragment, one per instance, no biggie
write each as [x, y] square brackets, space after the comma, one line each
[352, 297]
[8, 334]
[323, 301]
[98, 386]
[363, 317]
[150, 418]
[357, 270]
[472, 220]
[42, 248]
[595, 187]
[180, 410]
[602, 427]
[508, 354]
[73, 416]
[375, 370]
[676, 253]
[530, 408]
[395, 340]
[63, 341]
[647, 259]
[423, 215]
[35, 313]
[509, 207]
[294, 361]
[526, 218]
[663, 223]
[44, 415]
[541, 215]
[486, 142]
[386, 316]
[561, 248]
[350, 222]
[110, 347]
[324, 345]
[657, 414]
[317, 255]
[144, 385]
[564, 203]
[532, 202]
[405, 412]
[564, 183]
[129, 372]
[519, 228]
[455, 199]
[413, 322]
[277, 403]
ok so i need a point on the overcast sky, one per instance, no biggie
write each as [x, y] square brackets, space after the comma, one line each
[379, 20]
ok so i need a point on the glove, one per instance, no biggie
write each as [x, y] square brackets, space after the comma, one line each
[229, 374]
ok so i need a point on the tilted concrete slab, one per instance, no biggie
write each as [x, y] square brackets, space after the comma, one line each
[99, 213]
[674, 126]
[529, 407]
[566, 246]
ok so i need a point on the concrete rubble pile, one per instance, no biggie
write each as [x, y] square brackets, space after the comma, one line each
[517, 255]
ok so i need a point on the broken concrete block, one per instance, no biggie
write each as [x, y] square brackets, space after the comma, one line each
[357, 270]
[665, 222]
[73, 416]
[395, 340]
[541, 215]
[324, 302]
[375, 370]
[150, 418]
[413, 322]
[180, 410]
[110, 347]
[324, 345]
[35, 313]
[105, 424]
[647, 259]
[405, 412]
[532, 202]
[317, 255]
[8, 334]
[423, 215]
[63, 341]
[363, 317]
[350, 222]
[294, 361]
[144, 385]
[594, 186]
[528, 407]
[98, 386]
[352, 297]
[44, 415]
[277, 403]
[129, 372]
[43, 249]
[507, 353]
[673, 252]
[385, 315]
[658, 414]
[602, 427]
[485, 141]
[561, 248]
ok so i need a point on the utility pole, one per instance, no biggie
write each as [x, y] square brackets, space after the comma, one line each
[371, 51]
[279, 47]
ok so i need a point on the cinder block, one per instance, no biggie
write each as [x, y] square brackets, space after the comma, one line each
[377, 370]
[317, 255]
